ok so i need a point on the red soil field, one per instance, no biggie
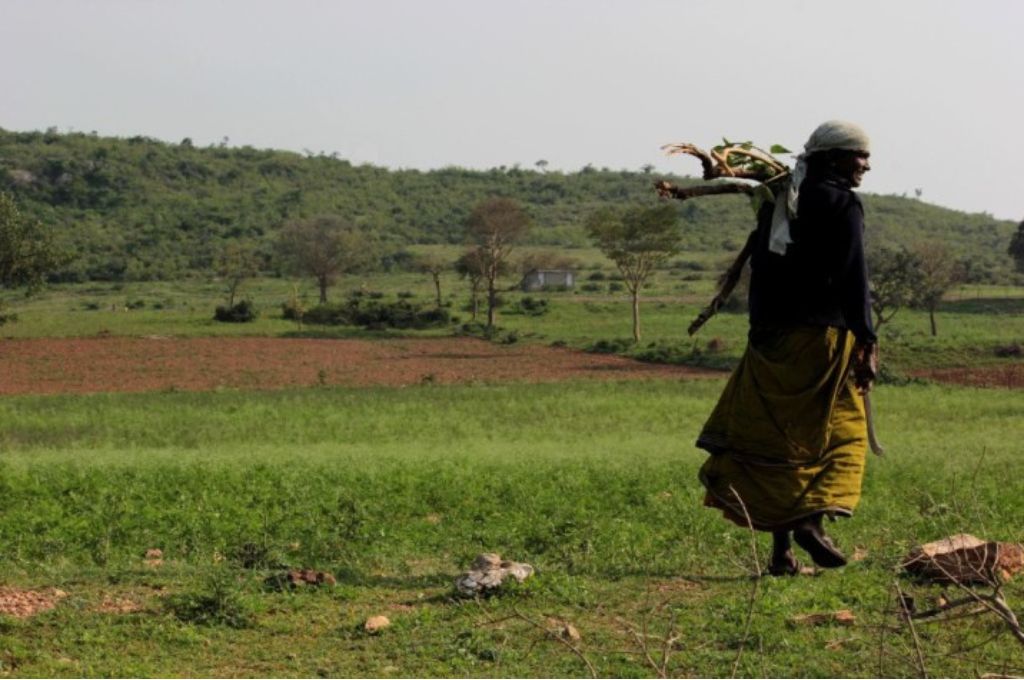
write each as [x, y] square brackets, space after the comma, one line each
[121, 364]
[1008, 376]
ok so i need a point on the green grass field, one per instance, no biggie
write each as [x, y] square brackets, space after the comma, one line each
[395, 491]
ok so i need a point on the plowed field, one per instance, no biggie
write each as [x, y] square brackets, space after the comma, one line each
[1009, 376]
[115, 364]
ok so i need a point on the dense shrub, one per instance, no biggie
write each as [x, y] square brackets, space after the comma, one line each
[692, 265]
[328, 314]
[1014, 349]
[358, 310]
[242, 312]
[711, 355]
[531, 306]
[616, 346]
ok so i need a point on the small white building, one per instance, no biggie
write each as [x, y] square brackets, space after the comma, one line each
[539, 279]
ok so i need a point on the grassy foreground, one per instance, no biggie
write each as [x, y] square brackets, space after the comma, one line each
[395, 490]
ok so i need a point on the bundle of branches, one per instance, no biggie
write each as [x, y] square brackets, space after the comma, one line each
[729, 168]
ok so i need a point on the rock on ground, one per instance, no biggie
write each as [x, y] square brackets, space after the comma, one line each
[488, 573]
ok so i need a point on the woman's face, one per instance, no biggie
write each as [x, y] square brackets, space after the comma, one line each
[852, 165]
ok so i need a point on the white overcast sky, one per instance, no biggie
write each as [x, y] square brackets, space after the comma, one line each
[939, 84]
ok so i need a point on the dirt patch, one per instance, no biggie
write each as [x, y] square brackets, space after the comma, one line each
[119, 605]
[24, 603]
[1007, 376]
[114, 364]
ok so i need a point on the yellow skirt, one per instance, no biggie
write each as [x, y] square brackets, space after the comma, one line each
[788, 438]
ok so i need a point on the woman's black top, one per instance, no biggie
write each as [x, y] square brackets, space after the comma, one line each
[822, 279]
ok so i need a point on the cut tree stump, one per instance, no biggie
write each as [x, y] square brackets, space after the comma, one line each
[965, 559]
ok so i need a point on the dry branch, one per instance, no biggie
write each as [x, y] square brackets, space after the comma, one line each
[906, 615]
[754, 587]
[558, 638]
[731, 161]
[669, 190]
[753, 163]
[729, 281]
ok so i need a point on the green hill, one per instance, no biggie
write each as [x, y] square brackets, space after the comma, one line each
[140, 208]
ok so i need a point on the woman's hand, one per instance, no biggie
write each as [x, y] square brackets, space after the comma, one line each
[865, 366]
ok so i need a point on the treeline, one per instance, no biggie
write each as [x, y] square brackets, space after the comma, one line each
[139, 208]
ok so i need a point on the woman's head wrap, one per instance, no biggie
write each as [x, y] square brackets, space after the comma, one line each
[837, 134]
[833, 134]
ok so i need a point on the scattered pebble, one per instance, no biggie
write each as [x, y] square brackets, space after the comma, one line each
[843, 617]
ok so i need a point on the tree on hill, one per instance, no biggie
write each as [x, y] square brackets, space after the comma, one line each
[138, 208]
[434, 265]
[494, 227]
[470, 267]
[637, 240]
[937, 272]
[1016, 249]
[235, 264]
[895, 278]
[324, 247]
[27, 250]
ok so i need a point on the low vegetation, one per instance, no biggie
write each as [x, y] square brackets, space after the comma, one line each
[394, 491]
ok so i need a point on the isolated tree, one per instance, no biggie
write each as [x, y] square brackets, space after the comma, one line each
[895, 279]
[470, 267]
[27, 250]
[435, 265]
[235, 264]
[1016, 249]
[637, 240]
[324, 247]
[937, 272]
[494, 227]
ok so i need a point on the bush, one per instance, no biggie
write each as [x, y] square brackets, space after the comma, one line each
[376, 315]
[591, 287]
[596, 276]
[711, 355]
[531, 306]
[692, 265]
[220, 605]
[615, 287]
[242, 312]
[617, 346]
[1014, 349]
[473, 328]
